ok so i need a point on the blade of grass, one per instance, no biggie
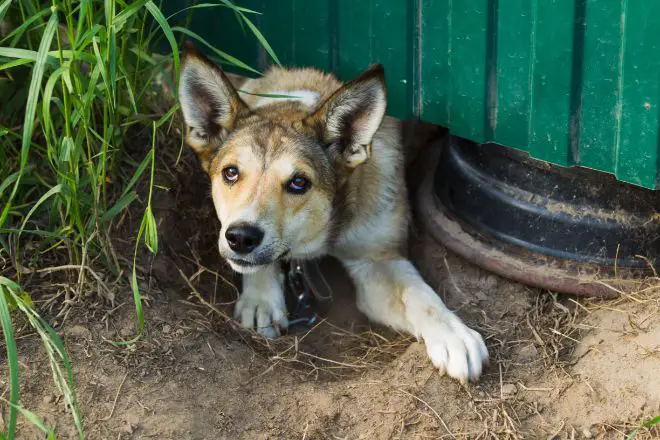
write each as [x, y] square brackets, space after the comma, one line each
[9, 180]
[11, 52]
[151, 231]
[269, 95]
[51, 192]
[129, 88]
[118, 207]
[15, 63]
[12, 355]
[83, 19]
[49, 234]
[138, 173]
[121, 18]
[54, 346]
[99, 60]
[257, 33]
[3, 9]
[167, 30]
[233, 60]
[107, 9]
[137, 296]
[31, 106]
[112, 62]
[647, 424]
[212, 5]
[166, 117]
[47, 99]
[52, 56]
[18, 32]
[148, 223]
[33, 419]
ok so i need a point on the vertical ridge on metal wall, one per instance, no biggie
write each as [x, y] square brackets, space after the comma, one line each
[490, 124]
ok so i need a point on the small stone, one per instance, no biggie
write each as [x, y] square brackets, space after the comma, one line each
[49, 398]
[528, 352]
[78, 332]
[509, 389]
[127, 428]
[488, 282]
[586, 433]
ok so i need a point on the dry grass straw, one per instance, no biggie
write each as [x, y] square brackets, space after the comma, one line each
[354, 352]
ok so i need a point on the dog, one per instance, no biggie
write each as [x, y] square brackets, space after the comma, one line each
[302, 166]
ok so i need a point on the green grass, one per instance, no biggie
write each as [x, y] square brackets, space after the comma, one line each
[76, 77]
[647, 424]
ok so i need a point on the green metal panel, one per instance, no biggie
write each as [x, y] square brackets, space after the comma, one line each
[602, 69]
[514, 104]
[311, 45]
[573, 82]
[468, 55]
[636, 144]
[551, 83]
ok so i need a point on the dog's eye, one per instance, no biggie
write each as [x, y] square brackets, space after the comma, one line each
[298, 185]
[230, 174]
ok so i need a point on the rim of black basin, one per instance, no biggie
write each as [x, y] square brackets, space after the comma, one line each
[566, 213]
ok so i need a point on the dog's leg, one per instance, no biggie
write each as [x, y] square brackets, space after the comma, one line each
[393, 293]
[262, 302]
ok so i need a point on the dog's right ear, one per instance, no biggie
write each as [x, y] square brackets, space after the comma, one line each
[352, 115]
[210, 104]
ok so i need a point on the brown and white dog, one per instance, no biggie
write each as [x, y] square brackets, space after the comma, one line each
[303, 166]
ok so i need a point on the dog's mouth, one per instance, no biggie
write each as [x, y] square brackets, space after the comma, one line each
[257, 263]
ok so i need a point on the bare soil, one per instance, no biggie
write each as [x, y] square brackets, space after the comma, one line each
[560, 367]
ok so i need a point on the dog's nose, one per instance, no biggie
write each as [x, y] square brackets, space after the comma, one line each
[243, 238]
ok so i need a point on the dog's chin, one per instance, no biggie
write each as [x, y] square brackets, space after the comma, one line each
[252, 263]
[244, 267]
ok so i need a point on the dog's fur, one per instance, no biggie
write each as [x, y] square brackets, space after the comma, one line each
[337, 138]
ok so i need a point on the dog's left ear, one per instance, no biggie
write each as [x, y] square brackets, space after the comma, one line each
[209, 103]
[353, 114]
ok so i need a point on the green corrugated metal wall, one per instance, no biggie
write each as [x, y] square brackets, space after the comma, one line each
[573, 82]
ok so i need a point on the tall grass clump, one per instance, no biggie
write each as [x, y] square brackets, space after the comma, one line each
[77, 81]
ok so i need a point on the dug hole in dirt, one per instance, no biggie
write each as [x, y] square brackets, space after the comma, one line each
[560, 367]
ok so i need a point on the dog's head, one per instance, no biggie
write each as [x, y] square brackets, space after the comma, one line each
[275, 170]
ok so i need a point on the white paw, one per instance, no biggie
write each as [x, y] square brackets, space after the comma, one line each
[265, 311]
[453, 347]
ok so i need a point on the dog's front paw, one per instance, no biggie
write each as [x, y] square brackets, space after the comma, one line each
[265, 311]
[454, 348]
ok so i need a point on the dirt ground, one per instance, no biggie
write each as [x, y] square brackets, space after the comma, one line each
[560, 367]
